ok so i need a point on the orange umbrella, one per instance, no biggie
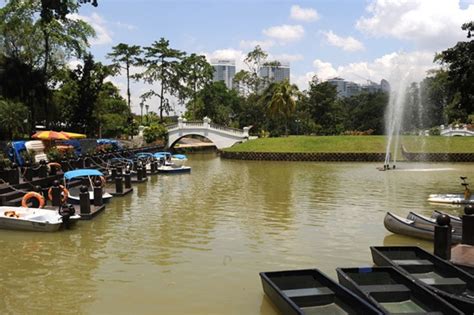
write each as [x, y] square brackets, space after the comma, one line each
[49, 135]
[73, 135]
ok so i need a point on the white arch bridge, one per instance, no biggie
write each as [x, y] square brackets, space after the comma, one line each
[222, 137]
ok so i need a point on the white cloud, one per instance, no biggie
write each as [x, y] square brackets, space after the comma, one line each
[126, 26]
[303, 14]
[391, 67]
[285, 33]
[251, 44]
[434, 24]
[103, 35]
[346, 43]
[229, 53]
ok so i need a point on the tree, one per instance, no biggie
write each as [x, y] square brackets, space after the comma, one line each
[12, 116]
[124, 56]
[197, 73]
[59, 9]
[162, 64]
[459, 61]
[283, 102]
[250, 81]
[111, 112]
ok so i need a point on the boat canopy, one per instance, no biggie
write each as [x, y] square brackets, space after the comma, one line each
[180, 156]
[82, 173]
[162, 154]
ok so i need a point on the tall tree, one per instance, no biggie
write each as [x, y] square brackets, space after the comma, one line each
[283, 102]
[12, 115]
[197, 73]
[459, 61]
[162, 64]
[250, 81]
[123, 57]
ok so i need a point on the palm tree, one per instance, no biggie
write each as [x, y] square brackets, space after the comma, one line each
[283, 102]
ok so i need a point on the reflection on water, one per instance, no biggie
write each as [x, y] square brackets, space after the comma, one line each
[194, 244]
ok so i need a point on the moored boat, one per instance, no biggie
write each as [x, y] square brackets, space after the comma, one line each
[455, 224]
[392, 292]
[440, 276]
[32, 219]
[173, 169]
[311, 292]
[88, 176]
[455, 199]
[413, 228]
[179, 159]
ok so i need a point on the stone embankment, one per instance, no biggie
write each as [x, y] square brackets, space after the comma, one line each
[319, 157]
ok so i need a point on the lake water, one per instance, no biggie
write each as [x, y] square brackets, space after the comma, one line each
[194, 244]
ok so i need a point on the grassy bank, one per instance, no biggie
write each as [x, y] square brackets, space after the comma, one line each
[366, 144]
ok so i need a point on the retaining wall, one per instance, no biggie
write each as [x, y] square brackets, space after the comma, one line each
[321, 157]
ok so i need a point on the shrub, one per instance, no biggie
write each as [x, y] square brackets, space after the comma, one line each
[154, 132]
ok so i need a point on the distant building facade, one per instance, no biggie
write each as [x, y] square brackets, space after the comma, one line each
[347, 88]
[276, 73]
[224, 70]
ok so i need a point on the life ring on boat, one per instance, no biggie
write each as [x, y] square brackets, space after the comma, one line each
[55, 164]
[32, 194]
[11, 214]
[64, 193]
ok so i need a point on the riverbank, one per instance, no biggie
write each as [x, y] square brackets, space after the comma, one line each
[352, 148]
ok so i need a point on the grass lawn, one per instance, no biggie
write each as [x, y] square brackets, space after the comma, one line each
[370, 144]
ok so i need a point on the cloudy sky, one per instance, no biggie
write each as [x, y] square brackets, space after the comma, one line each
[358, 40]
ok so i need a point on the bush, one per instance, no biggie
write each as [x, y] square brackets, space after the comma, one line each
[154, 132]
[4, 162]
[54, 155]
[435, 131]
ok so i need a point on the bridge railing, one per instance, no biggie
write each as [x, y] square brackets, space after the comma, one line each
[206, 124]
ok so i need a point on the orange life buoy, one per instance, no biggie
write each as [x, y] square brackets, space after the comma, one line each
[64, 191]
[35, 195]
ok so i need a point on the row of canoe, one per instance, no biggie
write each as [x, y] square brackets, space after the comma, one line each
[406, 280]
[419, 226]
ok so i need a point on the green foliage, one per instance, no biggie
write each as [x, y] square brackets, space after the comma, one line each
[435, 131]
[4, 162]
[459, 61]
[12, 116]
[154, 132]
[54, 155]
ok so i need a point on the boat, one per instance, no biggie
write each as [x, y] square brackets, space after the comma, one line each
[442, 277]
[392, 292]
[455, 199]
[88, 176]
[413, 228]
[454, 218]
[167, 166]
[297, 292]
[32, 219]
[455, 224]
[179, 159]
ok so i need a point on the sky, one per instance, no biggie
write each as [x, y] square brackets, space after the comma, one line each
[358, 40]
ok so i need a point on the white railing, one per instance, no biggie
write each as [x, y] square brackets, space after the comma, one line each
[456, 131]
[206, 124]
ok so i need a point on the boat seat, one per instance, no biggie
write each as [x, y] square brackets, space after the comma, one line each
[387, 292]
[415, 265]
[446, 284]
[307, 297]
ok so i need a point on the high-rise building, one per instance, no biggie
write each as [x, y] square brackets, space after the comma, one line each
[276, 73]
[224, 70]
[347, 88]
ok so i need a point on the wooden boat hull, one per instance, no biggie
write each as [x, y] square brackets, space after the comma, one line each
[392, 292]
[309, 291]
[402, 226]
[455, 199]
[440, 276]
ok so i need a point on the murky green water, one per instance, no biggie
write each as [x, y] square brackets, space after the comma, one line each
[194, 244]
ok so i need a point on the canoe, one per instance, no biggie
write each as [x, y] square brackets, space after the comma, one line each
[297, 292]
[455, 199]
[454, 218]
[440, 276]
[455, 224]
[417, 229]
[392, 292]
[31, 219]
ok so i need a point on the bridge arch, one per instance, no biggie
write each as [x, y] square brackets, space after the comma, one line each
[222, 137]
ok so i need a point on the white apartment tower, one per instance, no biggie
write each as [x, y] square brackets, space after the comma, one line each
[224, 70]
[276, 73]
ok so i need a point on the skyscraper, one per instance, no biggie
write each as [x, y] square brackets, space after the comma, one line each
[276, 73]
[224, 70]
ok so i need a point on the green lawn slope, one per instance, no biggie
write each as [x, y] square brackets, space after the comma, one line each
[369, 144]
